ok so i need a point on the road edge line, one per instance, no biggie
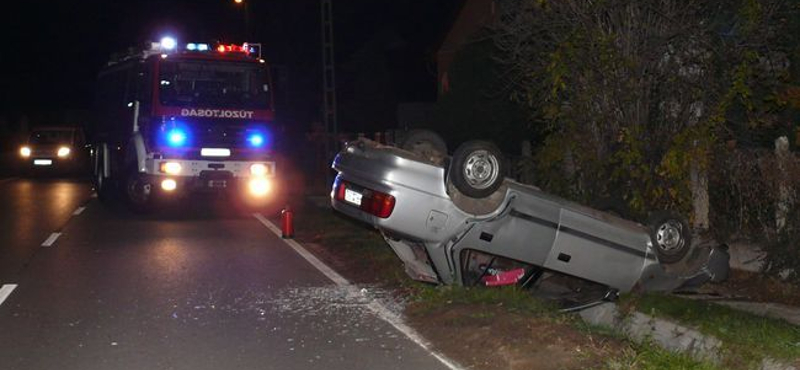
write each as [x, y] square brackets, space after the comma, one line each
[376, 307]
[51, 239]
[79, 210]
[6, 291]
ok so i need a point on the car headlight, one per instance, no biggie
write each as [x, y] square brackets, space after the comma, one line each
[25, 151]
[63, 151]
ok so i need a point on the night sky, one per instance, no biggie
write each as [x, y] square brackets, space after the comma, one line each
[53, 50]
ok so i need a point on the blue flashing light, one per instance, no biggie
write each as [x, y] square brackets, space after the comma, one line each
[256, 140]
[176, 137]
[191, 46]
[202, 47]
[168, 43]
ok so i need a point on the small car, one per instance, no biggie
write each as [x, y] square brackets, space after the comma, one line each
[55, 148]
[457, 220]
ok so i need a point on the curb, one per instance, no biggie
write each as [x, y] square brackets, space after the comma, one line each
[671, 336]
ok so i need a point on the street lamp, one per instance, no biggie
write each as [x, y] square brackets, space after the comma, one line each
[243, 3]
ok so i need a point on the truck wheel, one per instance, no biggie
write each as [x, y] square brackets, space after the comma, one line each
[671, 236]
[425, 143]
[477, 169]
[138, 193]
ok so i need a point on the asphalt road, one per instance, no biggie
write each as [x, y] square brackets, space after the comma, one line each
[183, 289]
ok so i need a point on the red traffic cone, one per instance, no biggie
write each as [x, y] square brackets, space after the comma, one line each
[287, 223]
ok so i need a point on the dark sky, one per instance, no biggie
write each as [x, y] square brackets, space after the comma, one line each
[53, 49]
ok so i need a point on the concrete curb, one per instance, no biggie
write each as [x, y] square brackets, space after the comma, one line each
[640, 327]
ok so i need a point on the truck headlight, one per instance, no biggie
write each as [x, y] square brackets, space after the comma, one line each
[169, 185]
[259, 170]
[259, 187]
[63, 151]
[25, 151]
[171, 168]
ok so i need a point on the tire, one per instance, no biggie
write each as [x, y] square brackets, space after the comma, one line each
[477, 169]
[671, 237]
[425, 143]
[138, 193]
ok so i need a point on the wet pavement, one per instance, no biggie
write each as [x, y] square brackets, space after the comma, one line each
[195, 288]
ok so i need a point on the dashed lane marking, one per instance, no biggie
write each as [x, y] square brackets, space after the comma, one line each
[376, 307]
[51, 239]
[78, 211]
[5, 291]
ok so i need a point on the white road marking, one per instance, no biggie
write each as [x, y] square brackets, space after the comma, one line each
[78, 211]
[51, 239]
[5, 291]
[376, 307]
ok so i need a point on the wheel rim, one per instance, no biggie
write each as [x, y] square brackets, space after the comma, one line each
[669, 237]
[138, 192]
[481, 169]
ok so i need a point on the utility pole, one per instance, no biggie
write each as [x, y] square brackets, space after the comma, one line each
[328, 72]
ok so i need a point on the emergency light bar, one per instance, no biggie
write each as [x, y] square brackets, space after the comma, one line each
[169, 45]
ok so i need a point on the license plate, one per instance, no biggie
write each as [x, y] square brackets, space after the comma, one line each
[42, 162]
[217, 183]
[352, 196]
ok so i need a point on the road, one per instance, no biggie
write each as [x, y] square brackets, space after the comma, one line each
[183, 289]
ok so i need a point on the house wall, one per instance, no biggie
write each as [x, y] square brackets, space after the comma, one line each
[473, 15]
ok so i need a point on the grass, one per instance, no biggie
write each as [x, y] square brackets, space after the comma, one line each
[511, 298]
[351, 240]
[652, 357]
[746, 338]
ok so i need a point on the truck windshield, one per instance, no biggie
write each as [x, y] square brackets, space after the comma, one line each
[213, 84]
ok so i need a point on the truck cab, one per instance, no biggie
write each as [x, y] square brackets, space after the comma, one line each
[178, 119]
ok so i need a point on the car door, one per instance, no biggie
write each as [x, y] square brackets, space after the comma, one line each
[599, 247]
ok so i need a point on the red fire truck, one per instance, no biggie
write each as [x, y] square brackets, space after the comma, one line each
[174, 119]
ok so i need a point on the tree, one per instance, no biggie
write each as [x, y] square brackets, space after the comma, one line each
[633, 91]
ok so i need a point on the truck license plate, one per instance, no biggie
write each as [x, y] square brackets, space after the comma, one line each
[217, 183]
[352, 196]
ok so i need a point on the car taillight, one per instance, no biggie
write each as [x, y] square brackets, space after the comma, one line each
[370, 201]
[379, 204]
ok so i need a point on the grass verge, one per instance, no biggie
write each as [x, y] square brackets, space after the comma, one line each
[746, 338]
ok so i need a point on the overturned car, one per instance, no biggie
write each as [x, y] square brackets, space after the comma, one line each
[457, 220]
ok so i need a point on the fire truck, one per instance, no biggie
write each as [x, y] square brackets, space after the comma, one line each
[176, 119]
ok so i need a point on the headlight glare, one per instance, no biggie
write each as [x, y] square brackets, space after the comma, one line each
[25, 151]
[171, 168]
[63, 151]
[259, 187]
[259, 170]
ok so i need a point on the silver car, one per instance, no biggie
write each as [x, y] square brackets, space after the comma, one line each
[456, 220]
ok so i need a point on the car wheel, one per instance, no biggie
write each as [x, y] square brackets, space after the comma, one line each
[425, 143]
[477, 169]
[671, 236]
[138, 193]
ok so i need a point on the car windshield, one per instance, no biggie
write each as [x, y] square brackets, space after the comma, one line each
[213, 84]
[51, 137]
